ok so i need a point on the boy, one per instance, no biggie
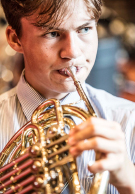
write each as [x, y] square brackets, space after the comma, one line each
[54, 35]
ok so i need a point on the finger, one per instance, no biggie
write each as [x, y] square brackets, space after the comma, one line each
[97, 130]
[92, 121]
[99, 166]
[98, 144]
[73, 130]
[110, 163]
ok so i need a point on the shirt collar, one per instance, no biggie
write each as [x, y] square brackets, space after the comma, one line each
[30, 99]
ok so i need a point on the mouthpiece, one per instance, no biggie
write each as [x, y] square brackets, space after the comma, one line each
[71, 71]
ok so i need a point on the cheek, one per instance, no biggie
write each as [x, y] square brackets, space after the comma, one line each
[47, 54]
[94, 47]
[91, 51]
[91, 45]
[95, 41]
[38, 55]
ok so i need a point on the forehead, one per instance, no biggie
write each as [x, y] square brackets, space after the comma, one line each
[44, 18]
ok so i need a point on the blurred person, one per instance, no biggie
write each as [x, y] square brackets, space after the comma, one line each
[53, 35]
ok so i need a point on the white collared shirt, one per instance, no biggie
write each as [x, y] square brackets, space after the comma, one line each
[18, 104]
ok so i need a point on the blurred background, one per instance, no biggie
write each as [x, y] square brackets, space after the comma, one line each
[114, 69]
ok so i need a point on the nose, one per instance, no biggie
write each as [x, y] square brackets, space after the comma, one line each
[70, 46]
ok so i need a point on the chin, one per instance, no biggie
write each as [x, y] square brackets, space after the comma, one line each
[69, 88]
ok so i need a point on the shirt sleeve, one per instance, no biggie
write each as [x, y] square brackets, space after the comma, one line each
[129, 130]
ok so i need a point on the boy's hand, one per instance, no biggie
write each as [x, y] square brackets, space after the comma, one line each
[105, 137]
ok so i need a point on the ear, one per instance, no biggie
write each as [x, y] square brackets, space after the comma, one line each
[13, 39]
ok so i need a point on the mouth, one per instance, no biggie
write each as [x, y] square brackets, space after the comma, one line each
[64, 71]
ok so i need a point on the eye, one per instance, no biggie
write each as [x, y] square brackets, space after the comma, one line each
[52, 34]
[85, 30]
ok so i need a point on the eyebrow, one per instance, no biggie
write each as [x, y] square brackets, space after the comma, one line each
[86, 24]
[46, 28]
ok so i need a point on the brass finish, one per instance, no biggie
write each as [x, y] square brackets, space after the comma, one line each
[45, 142]
[100, 182]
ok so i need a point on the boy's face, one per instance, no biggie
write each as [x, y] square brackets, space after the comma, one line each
[73, 42]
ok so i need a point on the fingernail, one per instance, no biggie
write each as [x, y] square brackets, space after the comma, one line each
[91, 163]
[72, 151]
[70, 140]
[71, 132]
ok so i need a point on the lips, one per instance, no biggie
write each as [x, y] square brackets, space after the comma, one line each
[63, 71]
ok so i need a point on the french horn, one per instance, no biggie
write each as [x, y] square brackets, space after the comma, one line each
[36, 159]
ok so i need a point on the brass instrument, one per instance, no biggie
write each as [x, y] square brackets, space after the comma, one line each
[36, 159]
